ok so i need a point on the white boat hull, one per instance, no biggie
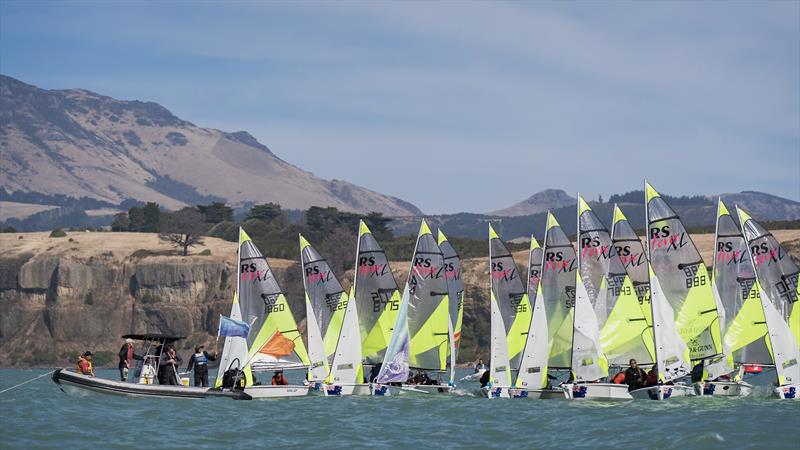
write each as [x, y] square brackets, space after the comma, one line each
[496, 392]
[384, 390]
[538, 394]
[662, 392]
[787, 392]
[597, 391]
[723, 389]
[340, 390]
[269, 391]
[473, 376]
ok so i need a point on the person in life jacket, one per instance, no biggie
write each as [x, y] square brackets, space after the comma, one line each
[278, 379]
[635, 376]
[199, 361]
[618, 378]
[126, 357]
[84, 365]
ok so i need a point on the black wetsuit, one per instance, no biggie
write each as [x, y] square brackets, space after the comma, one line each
[167, 372]
[485, 379]
[635, 378]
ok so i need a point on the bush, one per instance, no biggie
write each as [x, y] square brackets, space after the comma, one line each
[58, 233]
[206, 252]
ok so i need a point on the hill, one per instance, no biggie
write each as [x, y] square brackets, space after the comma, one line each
[80, 144]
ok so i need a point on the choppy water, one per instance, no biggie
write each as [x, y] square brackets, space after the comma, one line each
[39, 415]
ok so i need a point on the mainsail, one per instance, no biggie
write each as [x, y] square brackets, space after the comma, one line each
[559, 268]
[510, 296]
[588, 362]
[326, 302]
[533, 364]
[683, 277]
[777, 272]
[428, 310]
[633, 256]
[744, 329]
[377, 297]
[785, 351]
[274, 340]
[624, 329]
[455, 289]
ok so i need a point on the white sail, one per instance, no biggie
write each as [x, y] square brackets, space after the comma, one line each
[533, 365]
[672, 354]
[499, 370]
[318, 369]
[588, 361]
[346, 366]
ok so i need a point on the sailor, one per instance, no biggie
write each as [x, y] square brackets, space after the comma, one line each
[278, 379]
[199, 361]
[168, 367]
[480, 365]
[635, 376]
[485, 378]
[126, 357]
[84, 365]
[697, 372]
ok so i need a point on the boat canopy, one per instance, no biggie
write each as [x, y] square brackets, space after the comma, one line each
[153, 337]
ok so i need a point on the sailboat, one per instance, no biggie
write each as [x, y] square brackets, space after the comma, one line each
[740, 313]
[326, 304]
[455, 293]
[274, 342]
[776, 281]
[532, 381]
[422, 335]
[609, 326]
[377, 302]
[681, 297]
[510, 317]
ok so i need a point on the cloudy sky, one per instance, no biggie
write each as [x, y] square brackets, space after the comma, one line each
[454, 106]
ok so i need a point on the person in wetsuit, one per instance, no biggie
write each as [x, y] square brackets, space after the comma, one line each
[635, 376]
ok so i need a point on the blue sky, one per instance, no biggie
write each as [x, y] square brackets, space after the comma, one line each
[454, 106]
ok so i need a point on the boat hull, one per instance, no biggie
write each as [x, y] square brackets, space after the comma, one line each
[384, 390]
[597, 391]
[341, 390]
[662, 392]
[269, 391]
[75, 383]
[473, 376]
[723, 389]
[539, 394]
[787, 392]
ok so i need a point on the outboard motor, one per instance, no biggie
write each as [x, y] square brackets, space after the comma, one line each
[234, 378]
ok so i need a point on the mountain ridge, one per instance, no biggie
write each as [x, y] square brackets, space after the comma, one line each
[83, 144]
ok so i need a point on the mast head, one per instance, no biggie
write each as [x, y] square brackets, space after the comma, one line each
[722, 210]
[650, 192]
[492, 233]
[442, 237]
[619, 216]
[423, 229]
[303, 242]
[582, 205]
[551, 220]
[534, 243]
[363, 228]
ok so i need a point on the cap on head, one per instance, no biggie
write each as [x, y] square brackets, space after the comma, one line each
[87, 353]
[129, 341]
[199, 347]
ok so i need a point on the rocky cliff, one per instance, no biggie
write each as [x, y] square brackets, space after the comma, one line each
[60, 296]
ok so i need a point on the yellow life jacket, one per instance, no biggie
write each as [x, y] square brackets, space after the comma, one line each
[81, 359]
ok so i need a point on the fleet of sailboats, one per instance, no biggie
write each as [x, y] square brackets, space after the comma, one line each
[561, 330]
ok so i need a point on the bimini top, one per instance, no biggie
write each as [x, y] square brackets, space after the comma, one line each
[153, 337]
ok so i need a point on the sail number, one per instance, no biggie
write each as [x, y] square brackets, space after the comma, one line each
[570, 295]
[692, 278]
[515, 300]
[382, 302]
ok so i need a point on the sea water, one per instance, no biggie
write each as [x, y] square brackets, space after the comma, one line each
[40, 415]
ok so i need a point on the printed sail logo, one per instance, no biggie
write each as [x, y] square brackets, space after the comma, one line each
[661, 238]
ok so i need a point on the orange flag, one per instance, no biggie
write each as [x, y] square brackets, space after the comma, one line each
[278, 345]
